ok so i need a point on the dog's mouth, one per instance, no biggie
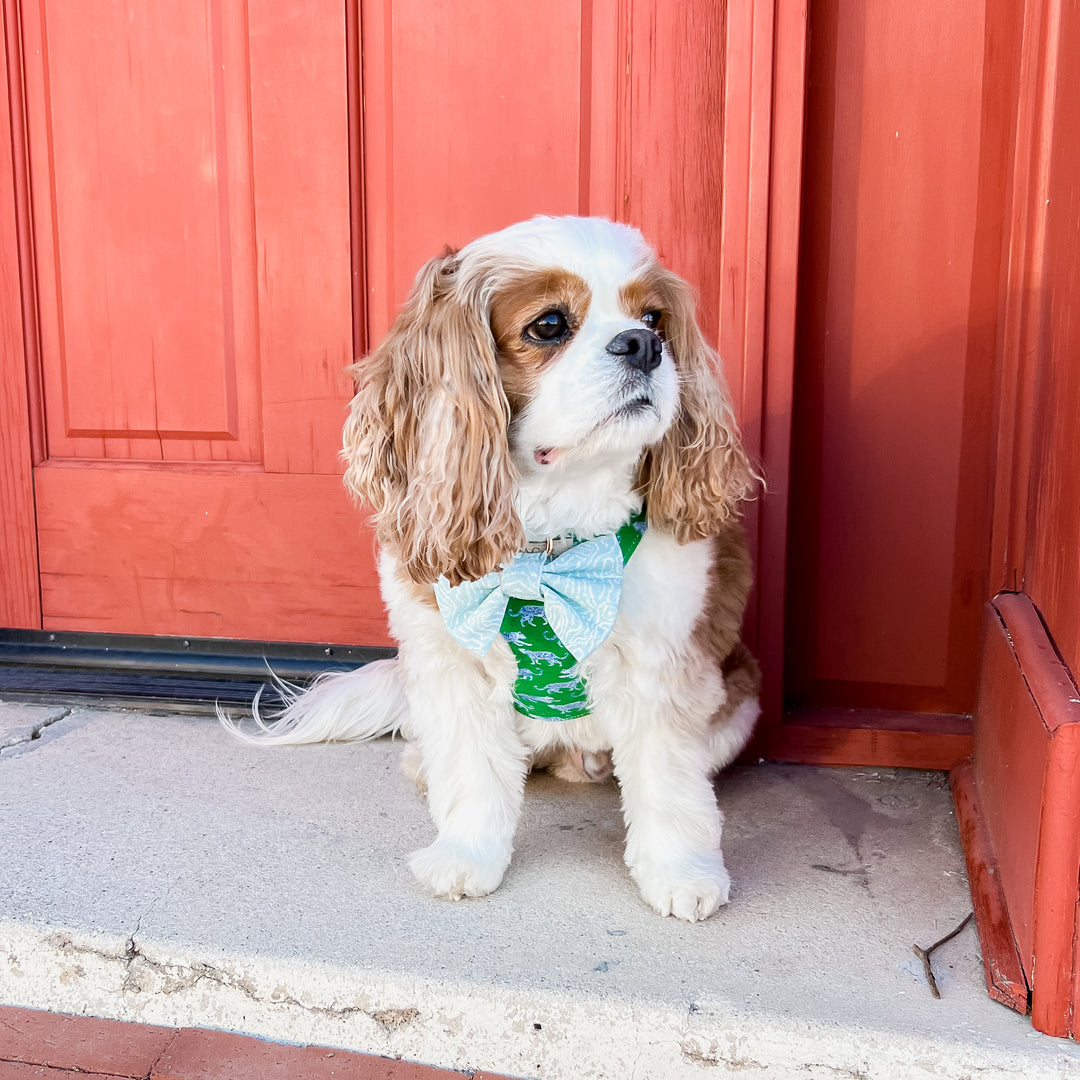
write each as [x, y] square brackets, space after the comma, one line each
[640, 404]
[636, 406]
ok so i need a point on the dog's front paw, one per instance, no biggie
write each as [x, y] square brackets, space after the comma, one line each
[450, 871]
[690, 888]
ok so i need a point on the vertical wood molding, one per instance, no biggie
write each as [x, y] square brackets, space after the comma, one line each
[604, 81]
[1021, 291]
[354, 58]
[778, 365]
[376, 94]
[20, 598]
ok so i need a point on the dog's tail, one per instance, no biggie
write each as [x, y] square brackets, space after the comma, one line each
[341, 706]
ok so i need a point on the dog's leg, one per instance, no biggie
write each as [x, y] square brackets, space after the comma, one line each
[673, 825]
[474, 764]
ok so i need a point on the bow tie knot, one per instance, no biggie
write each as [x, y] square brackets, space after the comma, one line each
[523, 578]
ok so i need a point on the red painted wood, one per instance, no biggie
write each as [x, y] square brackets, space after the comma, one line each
[300, 100]
[139, 148]
[647, 105]
[1052, 564]
[1025, 210]
[1053, 1008]
[254, 555]
[837, 745]
[768, 523]
[1010, 762]
[193, 285]
[20, 604]
[1005, 979]
[660, 114]
[451, 154]
[672, 145]
[1057, 856]
[1028, 719]
[890, 460]
[1027, 771]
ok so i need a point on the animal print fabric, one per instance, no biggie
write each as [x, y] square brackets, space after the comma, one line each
[548, 686]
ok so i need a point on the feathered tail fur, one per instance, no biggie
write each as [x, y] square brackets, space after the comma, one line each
[342, 706]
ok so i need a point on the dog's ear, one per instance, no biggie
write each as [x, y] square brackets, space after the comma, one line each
[695, 478]
[426, 438]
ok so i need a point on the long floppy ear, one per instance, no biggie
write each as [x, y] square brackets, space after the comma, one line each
[426, 438]
[695, 478]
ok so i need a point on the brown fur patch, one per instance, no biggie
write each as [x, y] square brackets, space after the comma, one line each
[514, 307]
[645, 294]
[425, 442]
[719, 628]
[695, 477]
[419, 591]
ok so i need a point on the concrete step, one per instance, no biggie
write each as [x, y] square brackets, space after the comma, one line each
[153, 869]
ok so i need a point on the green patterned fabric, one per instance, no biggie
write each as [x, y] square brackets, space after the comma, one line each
[547, 687]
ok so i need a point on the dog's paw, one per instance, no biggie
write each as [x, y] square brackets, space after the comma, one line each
[691, 888]
[451, 872]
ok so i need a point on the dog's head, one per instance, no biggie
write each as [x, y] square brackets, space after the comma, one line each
[555, 345]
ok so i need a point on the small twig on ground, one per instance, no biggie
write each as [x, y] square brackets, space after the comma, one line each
[924, 954]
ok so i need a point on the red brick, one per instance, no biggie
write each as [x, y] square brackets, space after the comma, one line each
[80, 1042]
[19, 1070]
[199, 1054]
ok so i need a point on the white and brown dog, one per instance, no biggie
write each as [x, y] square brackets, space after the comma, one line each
[544, 387]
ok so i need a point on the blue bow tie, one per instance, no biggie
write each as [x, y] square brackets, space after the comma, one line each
[580, 591]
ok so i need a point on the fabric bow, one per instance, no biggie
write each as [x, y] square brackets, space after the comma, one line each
[579, 589]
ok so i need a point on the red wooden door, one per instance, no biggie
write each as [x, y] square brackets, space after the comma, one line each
[1019, 800]
[200, 228]
[892, 443]
[181, 192]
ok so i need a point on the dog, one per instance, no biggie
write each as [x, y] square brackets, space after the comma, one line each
[546, 402]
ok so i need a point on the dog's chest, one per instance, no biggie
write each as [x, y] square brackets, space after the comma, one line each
[663, 598]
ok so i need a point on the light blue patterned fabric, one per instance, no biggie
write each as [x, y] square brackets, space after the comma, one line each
[580, 591]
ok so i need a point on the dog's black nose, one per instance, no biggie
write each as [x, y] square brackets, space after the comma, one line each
[642, 349]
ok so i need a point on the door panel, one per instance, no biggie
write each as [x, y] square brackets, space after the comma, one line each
[460, 141]
[263, 556]
[895, 336]
[139, 140]
[188, 262]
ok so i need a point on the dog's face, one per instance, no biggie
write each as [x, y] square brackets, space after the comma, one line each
[580, 343]
[556, 345]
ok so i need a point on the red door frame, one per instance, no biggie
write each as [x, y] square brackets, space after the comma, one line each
[1018, 799]
[20, 596]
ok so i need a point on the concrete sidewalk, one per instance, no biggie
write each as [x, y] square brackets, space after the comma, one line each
[153, 869]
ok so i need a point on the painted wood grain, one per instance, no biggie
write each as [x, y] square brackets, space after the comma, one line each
[891, 452]
[210, 553]
[19, 596]
[1005, 978]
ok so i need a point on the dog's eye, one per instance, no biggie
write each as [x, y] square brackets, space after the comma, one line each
[654, 321]
[551, 326]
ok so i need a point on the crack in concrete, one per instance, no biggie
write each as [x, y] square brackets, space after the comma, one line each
[713, 1057]
[35, 732]
[141, 972]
